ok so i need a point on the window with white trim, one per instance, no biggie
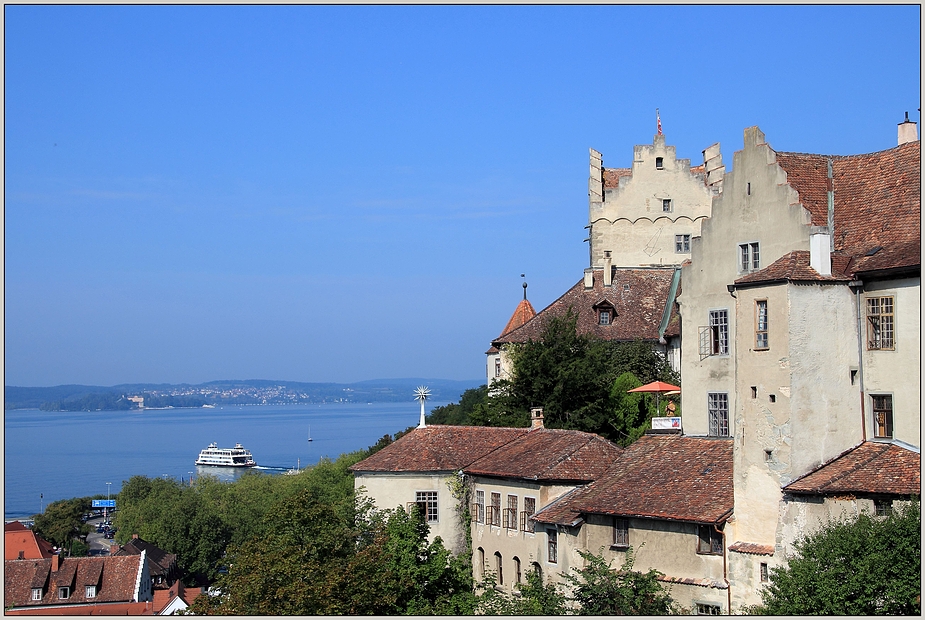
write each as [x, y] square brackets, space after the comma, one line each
[682, 244]
[36, 594]
[428, 501]
[478, 510]
[494, 511]
[880, 323]
[90, 592]
[497, 366]
[718, 410]
[714, 338]
[748, 257]
[666, 205]
[64, 592]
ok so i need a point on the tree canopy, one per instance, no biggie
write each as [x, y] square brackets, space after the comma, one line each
[869, 565]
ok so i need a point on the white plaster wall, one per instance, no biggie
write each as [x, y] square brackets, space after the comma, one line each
[756, 206]
[528, 546]
[897, 372]
[393, 490]
[631, 223]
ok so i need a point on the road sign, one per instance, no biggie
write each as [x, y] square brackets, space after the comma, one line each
[104, 503]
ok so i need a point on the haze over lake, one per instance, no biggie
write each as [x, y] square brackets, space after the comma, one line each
[64, 454]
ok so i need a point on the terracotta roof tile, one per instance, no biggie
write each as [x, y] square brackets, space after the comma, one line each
[612, 176]
[438, 448]
[794, 267]
[160, 562]
[671, 477]
[523, 313]
[871, 467]
[115, 580]
[23, 539]
[877, 203]
[550, 455]
[752, 548]
[638, 297]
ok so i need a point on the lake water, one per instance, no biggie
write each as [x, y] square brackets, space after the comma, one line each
[57, 455]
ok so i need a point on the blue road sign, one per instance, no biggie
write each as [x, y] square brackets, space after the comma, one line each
[104, 503]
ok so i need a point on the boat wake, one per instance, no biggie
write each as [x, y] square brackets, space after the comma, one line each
[266, 468]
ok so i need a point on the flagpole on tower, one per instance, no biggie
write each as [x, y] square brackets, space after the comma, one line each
[658, 121]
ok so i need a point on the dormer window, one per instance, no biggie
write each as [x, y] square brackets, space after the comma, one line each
[64, 592]
[36, 594]
[659, 163]
[603, 317]
[605, 312]
[90, 592]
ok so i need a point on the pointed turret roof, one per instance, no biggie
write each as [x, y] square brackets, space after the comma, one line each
[522, 314]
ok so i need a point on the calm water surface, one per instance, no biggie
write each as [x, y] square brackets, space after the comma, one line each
[57, 455]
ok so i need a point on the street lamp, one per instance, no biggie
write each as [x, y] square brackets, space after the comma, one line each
[106, 507]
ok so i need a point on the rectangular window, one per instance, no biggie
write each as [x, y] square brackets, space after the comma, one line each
[552, 547]
[719, 332]
[495, 516]
[510, 513]
[666, 205]
[761, 324]
[718, 408]
[748, 257]
[621, 533]
[90, 592]
[882, 405]
[64, 592]
[710, 541]
[659, 163]
[763, 572]
[682, 244]
[498, 367]
[704, 609]
[526, 525]
[879, 323]
[478, 512]
[883, 507]
[604, 317]
[428, 500]
[36, 594]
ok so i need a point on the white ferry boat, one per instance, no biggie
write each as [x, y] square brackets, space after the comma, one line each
[239, 456]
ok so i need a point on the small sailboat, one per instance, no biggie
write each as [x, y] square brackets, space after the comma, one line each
[310, 433]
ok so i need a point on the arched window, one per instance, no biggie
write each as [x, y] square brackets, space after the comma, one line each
[480, 567]
[535, 567]
[517, 575]
[498, 568]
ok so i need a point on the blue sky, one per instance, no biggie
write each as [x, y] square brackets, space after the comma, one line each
[340, 193]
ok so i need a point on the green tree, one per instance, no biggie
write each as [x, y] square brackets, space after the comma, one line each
[533, 598]
[63, 521]
[868, 565]
[631, 415]
[458, 413]
[599, 590]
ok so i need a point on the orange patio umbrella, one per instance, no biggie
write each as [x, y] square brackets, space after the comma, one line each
[659, 387]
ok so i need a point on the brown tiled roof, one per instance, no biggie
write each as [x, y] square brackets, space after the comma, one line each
[550, 455]
[160, 562]
[523, 313]
[612, 176]
[871, 467]
[146, 608]
[794, 267]
[752, 548]
[671, 477]
[877, 203]
[638, 297]
[23, 539]
[115, 580]
[438, 448]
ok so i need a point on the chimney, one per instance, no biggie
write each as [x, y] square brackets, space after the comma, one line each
[536, 418]
[134, 536]
[608, 271]
[589, 278]
[113, 549]
[820, 256]
[54, 562]
[907, 131]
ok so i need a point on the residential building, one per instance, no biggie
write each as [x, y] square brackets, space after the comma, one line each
[21, 543]
[58, 585]
[162, 565]
[801, 306]
[425, 467]
[509, 485]
[666, 500]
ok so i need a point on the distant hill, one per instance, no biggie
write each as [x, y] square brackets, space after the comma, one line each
[246, 392]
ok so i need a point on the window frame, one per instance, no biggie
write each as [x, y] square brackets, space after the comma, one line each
[479, 505]
[682, 244]
[510, 513]
[708, 609]
[552, 545]
[718, 414]
[762, 340]
[749, 257]
[497, 367]
[881, 325]
[36, 594]
[430, 500]
[499, 568]
[64, 593]
[763, 572]
[667, 205]
[621, 533]
[518, 575]
[718, 323]
[709, 541]
[883, 427]
[526, 525]
[659, 163]
[495, 509]
[603, 316]
[883, 507]
[89, 591]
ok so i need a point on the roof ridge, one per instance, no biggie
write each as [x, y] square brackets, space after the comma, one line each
[847, 471]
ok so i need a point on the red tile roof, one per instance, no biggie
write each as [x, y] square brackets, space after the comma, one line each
[523, 313]
[671, 477]
[877, 203]
[871, 467]
[115, 578]
[794, 267]
[160, 563]
[438, 448]
[752, 548]
[23, 539]
[612, 176]
[549, 455]
[638, 297]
